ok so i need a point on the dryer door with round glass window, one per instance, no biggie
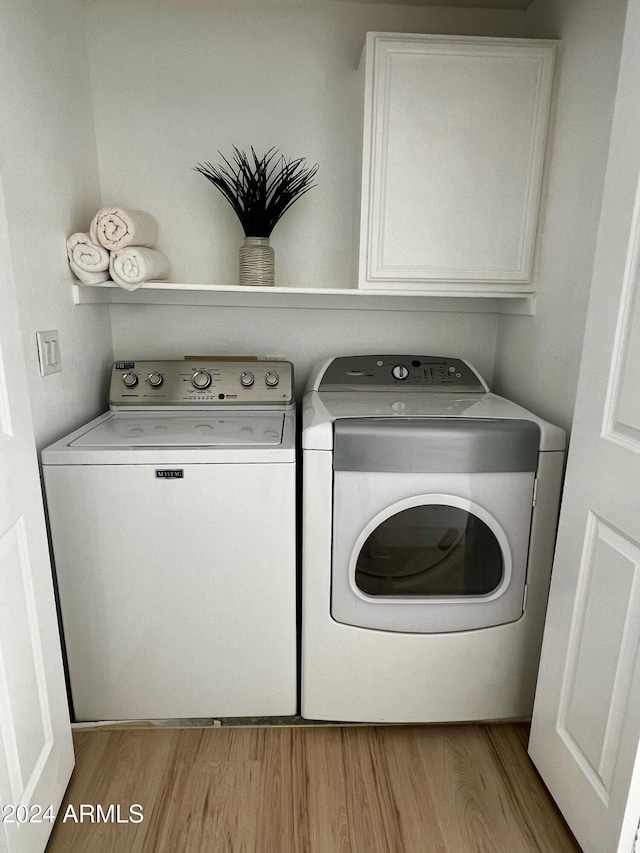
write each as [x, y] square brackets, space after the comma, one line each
[431, 522]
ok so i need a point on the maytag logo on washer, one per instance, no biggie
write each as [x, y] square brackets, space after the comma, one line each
[170, 473]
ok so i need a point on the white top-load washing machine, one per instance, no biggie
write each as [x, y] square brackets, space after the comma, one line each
[173, 526]
[429, 520]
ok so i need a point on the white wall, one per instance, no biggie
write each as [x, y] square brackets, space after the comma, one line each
[175, 82]
[537, 358]
[303, 336]
[49, 173]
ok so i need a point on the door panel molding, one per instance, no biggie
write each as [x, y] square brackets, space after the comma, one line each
[599, 666]
[616, 425]
[6, 430]
[26, 750]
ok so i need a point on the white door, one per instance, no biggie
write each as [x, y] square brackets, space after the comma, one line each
[36, 752]
[586, 720]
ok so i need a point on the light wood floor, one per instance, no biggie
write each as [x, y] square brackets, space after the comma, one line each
[394, 789]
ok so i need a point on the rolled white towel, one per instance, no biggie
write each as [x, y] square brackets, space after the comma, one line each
[134, 265]
[88, 261]
[115, 228]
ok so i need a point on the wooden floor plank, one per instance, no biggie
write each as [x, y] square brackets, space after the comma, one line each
[418, 823]
[543, 826]
[374, 822]
[394, 789]
[474, 807]
[208, 806]
[217, 744]
[326, 790]
[282, 815]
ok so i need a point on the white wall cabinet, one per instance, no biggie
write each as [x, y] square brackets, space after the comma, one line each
[453, 148]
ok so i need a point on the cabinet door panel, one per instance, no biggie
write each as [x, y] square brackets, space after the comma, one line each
[453, 159]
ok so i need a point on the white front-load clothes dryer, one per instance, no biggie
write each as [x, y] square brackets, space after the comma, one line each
[429, 520]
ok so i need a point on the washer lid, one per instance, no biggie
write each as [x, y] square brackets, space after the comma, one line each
[203, 429]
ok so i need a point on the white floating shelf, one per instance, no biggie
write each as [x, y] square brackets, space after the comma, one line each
[492, 299]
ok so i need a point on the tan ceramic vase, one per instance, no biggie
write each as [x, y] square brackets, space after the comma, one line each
[257, 262]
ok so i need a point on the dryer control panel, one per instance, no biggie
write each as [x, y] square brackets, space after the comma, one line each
[409, 372]
[201, 383]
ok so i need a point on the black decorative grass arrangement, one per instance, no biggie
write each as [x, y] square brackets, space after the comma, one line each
[260, 189]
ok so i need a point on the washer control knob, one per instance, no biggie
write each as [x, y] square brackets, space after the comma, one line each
[247, 379]
[155, 379]
[271, 379]
[399, 371]
[130, 380]
[201, 380]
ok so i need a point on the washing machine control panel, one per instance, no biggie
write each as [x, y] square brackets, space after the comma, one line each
[409, 372]
[201, 383]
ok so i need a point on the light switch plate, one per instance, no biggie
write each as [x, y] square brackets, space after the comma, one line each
[49, 352]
